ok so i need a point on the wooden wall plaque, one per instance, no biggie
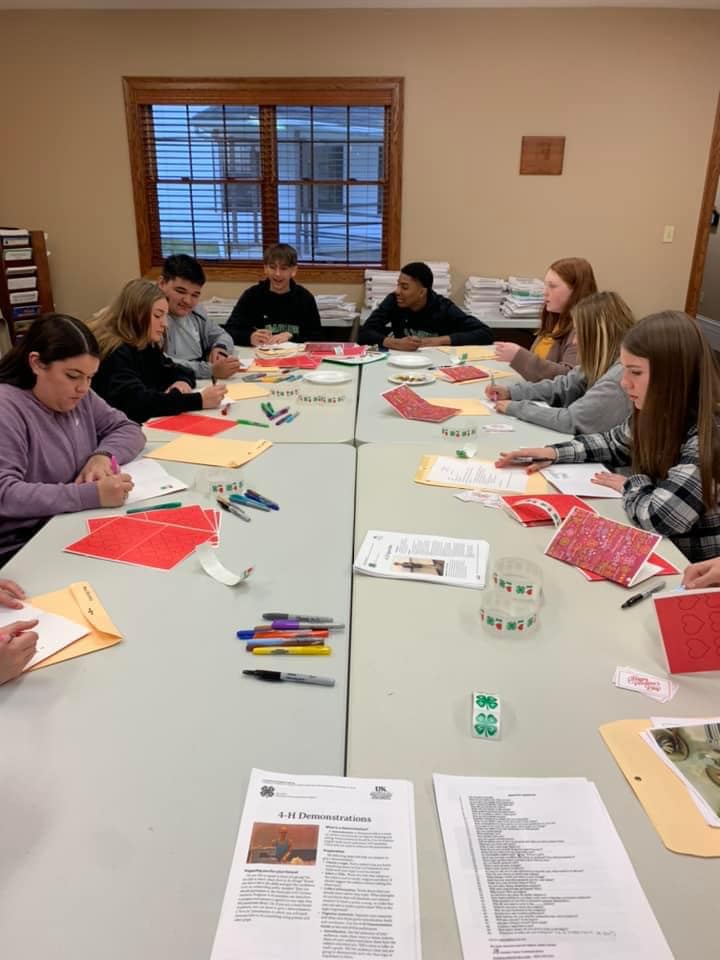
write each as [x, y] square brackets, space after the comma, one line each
[542, 155]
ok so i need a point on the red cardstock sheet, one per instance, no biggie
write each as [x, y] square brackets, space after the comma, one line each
[412, 406]
[690, 630]
[463, 373]
[335, 349]
[301, 362]
[532, 516]
[192, 423]
[192, 516]
[140, 542]
[614, 550]
[667, 569]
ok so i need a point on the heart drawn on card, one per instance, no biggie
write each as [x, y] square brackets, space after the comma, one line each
[691, 624]
[687, 603]
[713, 600]
[715, 622]
[696, 648]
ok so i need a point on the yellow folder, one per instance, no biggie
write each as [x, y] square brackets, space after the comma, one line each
[79, 603]
[473, 353]
[466, 406]
[210, 451]
[663, 796]
[536, 483]
[246, 391]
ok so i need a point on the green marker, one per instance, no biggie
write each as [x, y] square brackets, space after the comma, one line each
[253, 423]
[158, 506]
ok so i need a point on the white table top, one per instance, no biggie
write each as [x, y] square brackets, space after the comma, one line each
[123, 773]
[419, 651]
[378, 422]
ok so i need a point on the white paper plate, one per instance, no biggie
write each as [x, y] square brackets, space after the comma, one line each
[328, 377]
[411, 361]
[412, 379]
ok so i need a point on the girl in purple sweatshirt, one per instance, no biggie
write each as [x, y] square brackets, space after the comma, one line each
[58, 440]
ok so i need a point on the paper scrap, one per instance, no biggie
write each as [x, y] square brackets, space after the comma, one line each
[213, 568]
[484, 499]
[657, 688]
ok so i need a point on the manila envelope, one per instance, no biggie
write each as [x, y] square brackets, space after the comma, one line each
[536, 483]
[472, 353]
[465, 406]
[78, 603]
[210, 451]
[245, 391]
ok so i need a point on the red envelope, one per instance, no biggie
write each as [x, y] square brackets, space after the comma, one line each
[533, 516]
[412, 406]
[689, 623]
[192, 423]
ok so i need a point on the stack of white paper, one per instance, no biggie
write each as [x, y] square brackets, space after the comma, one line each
[335, 310]
[218, 309]
[323, 867]
[441, 273]
[483, 293]
[525, 298]
[538, 870]
[379, 283]
[423, 556]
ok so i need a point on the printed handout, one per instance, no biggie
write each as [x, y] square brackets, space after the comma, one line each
[423, 556]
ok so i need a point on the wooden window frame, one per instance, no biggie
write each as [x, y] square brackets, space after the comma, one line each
[285, 91]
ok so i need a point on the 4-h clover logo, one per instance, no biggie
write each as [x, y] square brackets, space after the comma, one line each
[266, 791]
[486, 724]
[486, 700]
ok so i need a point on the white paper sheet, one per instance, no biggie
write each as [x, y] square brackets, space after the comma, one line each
[424, 556]
[54, 632]
[477, 473]
[323, 867]
[151, 479]
[576, 479]
[537, 869]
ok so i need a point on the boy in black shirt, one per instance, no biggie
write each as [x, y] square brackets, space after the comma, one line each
[276, 309]
[415, 316]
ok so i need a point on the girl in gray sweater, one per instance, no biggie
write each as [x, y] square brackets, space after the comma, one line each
[588, 399]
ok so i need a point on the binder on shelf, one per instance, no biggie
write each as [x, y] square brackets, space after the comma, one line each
[22, 283]
[17, 253]
[25, 291]
[24, 296]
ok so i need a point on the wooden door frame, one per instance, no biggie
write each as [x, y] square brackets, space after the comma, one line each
[697, 268]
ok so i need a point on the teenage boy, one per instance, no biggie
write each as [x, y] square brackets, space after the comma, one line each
[192, 340]
[415, 316]
[276, 309]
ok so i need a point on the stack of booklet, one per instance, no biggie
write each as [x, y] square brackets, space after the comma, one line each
[483, 294]
[218, 309]
[379, 283]
[335, 310]
[525, 297]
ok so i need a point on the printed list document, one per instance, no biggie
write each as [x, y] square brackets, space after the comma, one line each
[538, 870]
[324, 868]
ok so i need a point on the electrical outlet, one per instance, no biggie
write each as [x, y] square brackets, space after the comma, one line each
[668, 234]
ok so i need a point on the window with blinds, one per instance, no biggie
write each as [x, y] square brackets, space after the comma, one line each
[222, 168]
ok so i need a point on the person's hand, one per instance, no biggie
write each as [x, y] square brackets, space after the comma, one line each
[212, 395]
[281, 337]
[224, 366]
[497, 393]
[182, 386]
[615, 481]
[534, 458]
[97, 467]
[11, 594]
[114, 490]
[402, 343]
[260, 337]
[700, 575]
[501, 406]
[506, 351]
[18, 642]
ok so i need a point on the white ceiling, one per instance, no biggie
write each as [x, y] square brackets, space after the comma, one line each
[333, 4]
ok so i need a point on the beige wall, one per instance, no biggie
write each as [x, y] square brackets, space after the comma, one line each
[634, 92]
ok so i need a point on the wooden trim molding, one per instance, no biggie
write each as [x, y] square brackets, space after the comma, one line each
[697, 268]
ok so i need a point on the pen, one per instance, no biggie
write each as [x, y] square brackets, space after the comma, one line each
[254, 495]
[296, 616]
[233, 509]
[114, 465]
[278, 676]
[631, 601]
[253, 423]
[249, 502]
[158, 506]
[307, 651]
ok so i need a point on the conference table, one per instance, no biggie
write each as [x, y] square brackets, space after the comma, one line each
[123, 773]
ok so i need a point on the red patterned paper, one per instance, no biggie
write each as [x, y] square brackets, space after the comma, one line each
[463, 373]
[301, 362]
[616, 551]
[192, 516]
[192, 423]
[532, 516]
[690, 630]
[412, 406]
[667, 569]
[141, 542]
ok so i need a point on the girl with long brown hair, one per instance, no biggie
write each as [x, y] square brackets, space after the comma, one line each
[554, 350]
[671, 443]
[135, 376]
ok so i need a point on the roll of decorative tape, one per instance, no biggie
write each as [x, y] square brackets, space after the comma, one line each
[216, 481]
[213, 568]
[546, 507]
[485, 717]
[321, 398]
[461, 430]
[498, 618]
[518, 578]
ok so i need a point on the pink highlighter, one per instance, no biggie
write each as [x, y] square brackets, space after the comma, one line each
[114, 465]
